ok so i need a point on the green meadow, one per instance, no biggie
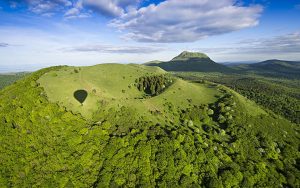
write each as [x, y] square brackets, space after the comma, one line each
[113, 85]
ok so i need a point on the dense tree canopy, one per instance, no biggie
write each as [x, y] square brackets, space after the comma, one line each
[281, 96]
[8, 79]
[153, 85]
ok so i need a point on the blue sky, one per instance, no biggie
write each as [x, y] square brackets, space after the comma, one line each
[41, 33]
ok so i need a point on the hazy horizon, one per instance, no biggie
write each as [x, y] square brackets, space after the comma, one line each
[6, 69]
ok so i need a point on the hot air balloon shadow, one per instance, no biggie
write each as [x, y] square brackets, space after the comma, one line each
[80, 95]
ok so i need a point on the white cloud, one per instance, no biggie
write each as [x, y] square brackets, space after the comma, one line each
[116, 49]
[42, 7]
[65, 2]
[289, 43]
[57, 2]
[77, 8]
[110, 8]
[77, 11]
[186, 21]
[279, 47]
[107, 8]
[72, 11]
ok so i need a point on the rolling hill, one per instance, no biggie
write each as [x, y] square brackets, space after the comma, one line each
[114, 85]
[190, 62]
[275, 68]
[138, 126]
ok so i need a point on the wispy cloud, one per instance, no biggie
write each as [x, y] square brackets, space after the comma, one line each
[42, 7]
[107, 8]
[13, 4]
[77, 8]
[186, 21]
[116, 49]
[77, 11]
[284, 44]
[3, 45]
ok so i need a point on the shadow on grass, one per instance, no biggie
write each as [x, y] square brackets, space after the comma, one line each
[80, 95]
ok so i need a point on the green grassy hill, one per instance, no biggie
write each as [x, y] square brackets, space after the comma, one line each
[273, 68]
[114, 86]
[139, 127]
[191, 62]
[7, 79]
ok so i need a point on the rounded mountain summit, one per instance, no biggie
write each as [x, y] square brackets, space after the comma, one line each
[190, 62]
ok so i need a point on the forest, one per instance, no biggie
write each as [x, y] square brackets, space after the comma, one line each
[153, 85]
[7, 79]
[279, 95]
[212, 145]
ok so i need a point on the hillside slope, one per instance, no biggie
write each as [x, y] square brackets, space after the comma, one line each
[7, 79]
[282, 96]
[113, 85]
[191, 62]
[274, 68]
[176, 134]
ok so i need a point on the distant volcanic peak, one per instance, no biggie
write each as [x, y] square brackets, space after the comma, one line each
[190, 55]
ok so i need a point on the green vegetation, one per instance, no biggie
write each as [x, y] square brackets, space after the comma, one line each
[272, 68]
[7, 79]
[190, 135]
[188, 55]
[114, 85]
[199, 62]
[191, 61]
[153, 85]
[276, 94]
[153, 62]
[273, 84]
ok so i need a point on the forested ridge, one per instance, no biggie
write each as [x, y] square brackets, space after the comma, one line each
[7, 79]
[272, 68]
[278, 95]
[210, 145]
